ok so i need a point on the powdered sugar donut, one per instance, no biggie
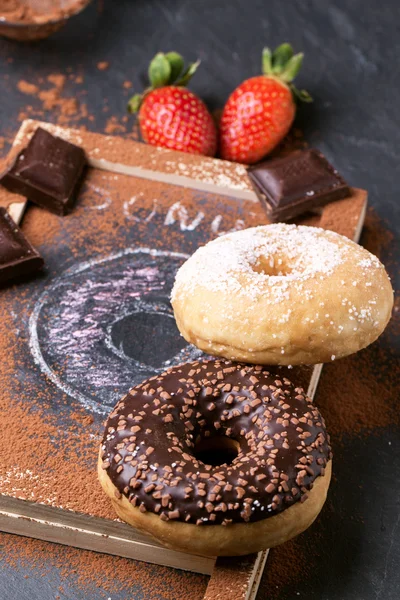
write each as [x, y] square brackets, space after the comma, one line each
[282, 294]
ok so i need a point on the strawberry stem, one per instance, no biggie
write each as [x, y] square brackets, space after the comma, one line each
[301, 95]
[164, 69]
[291, 68]
[134, 103]
[176, 63]
[267, 61]
[188, 74]
[159, 71]
[281, 57]
[283, 64]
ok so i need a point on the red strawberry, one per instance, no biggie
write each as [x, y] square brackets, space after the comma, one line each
[170, 115]
[260, 112]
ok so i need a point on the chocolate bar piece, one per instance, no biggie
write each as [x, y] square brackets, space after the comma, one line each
[17, 256]
[48, 172]
[296, 183]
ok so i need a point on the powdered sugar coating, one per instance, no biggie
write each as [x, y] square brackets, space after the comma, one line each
[279, 256]
[282, 294]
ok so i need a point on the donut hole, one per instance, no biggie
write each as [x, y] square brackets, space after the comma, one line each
[272, 266]
[217, 450]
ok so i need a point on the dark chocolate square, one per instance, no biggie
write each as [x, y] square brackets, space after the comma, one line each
[297, 183]
[17, 256]
[48, 172]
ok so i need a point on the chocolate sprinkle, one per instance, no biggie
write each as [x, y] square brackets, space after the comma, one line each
[271, 448]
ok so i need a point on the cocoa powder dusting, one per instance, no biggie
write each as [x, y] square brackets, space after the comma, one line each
[231, 578]
[103, 65]
[114, 126]
[50, 93]
[27, 88]
[49, 100]
[99, 575]
[285, 566]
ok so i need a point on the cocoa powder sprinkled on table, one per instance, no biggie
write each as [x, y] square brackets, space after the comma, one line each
[114, 126]
[27, 88]
[103, 66]
[99, 573]
[49, 229]
[357, 396]
[286, 564]
[67, 108]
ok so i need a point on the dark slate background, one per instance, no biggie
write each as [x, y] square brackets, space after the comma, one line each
[351, 69]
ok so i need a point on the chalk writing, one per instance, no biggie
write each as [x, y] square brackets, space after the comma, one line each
[179, 212]
[239, 224]
[129, 209]
[99, 199]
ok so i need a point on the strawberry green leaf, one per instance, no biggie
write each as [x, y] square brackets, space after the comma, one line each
[159, 71]
[267, 61]
[134, 103]
[285, 66]
[292, 68]
[176, 63]
[301, 95]
[188, 74]
[280, 58]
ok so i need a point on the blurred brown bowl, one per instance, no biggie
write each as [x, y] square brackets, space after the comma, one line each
[27, 31]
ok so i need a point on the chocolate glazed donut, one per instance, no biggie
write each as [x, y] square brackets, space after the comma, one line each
[216, 458]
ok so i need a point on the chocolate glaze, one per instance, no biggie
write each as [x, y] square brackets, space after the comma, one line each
[149, 438]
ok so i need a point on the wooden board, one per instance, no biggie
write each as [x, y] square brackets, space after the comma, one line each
[141, 210]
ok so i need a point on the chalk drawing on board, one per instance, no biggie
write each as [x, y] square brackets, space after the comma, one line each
[129, 209]
[105, 325]
[98, 199]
